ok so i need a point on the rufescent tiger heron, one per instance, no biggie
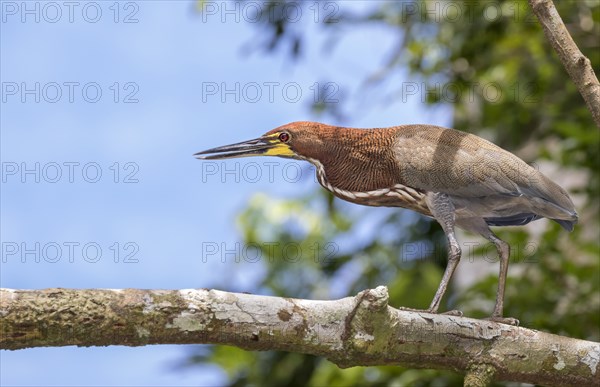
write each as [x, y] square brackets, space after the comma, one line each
[457, 178]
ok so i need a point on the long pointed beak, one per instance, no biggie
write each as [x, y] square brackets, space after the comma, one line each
[254, 147]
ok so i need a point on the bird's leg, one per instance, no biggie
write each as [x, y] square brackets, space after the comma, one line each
[443, 210]
[504, 254]
[479, 225]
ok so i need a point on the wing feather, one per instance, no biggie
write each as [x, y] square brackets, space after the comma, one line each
[466, 166]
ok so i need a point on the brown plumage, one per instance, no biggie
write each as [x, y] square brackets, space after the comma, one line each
[455, 177]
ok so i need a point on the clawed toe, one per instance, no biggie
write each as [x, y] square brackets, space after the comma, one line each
[504, 320]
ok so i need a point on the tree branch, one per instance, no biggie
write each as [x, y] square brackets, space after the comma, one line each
[361, 330]
[577, 65]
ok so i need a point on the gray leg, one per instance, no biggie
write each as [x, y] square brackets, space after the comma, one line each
[504, 253]
[478, 225]
[443, 211]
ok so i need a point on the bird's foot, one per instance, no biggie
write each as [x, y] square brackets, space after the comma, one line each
[503, 320]
[448, 313]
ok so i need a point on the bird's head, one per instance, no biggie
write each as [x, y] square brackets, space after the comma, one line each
[297, 140]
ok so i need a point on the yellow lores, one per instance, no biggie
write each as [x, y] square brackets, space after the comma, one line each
[278, 148]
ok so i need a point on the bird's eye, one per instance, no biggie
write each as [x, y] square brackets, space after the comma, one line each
[284, 137]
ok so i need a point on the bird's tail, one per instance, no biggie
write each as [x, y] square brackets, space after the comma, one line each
[551, 201]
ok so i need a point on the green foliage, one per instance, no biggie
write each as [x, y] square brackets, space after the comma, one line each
[554, 282]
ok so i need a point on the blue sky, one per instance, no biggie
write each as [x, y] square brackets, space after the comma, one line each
[153, 204]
